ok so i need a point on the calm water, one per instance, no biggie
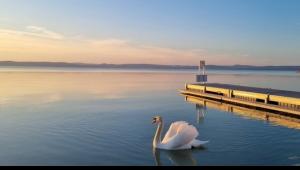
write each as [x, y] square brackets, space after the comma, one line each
[104, 118]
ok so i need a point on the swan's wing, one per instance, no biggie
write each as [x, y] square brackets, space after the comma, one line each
[184, 136]
[173, 130]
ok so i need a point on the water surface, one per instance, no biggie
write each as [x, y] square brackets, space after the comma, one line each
[104, 118]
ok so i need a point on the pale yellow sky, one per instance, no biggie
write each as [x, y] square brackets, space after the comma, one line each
[41, 44]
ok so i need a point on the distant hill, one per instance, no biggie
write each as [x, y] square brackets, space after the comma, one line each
[144, 66]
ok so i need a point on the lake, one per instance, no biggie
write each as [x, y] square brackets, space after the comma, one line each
[103, 117]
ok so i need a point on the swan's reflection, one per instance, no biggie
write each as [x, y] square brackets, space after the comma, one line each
[177, 158]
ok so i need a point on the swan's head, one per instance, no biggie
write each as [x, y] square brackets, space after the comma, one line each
[156, 119]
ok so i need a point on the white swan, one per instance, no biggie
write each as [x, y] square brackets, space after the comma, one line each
[180, 136]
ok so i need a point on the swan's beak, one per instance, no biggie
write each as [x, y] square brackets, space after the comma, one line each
[153, 120]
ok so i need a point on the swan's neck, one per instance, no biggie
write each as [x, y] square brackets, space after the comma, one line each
[157, 137]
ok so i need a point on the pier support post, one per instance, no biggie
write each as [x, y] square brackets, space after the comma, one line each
[267, 99]
[230, 93]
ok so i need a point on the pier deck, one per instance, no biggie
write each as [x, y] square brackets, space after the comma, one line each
[263, 98]
[256, 90]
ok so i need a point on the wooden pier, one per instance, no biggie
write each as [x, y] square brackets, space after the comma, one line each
[286, 102]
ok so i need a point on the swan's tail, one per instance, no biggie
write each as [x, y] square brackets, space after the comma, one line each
[197, 143]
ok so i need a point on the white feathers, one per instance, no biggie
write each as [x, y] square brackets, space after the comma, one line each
[197, 143]
[180, 135]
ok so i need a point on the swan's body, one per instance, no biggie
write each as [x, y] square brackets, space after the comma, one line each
[180, 136]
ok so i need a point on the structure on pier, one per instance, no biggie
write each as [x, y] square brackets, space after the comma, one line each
[201, 77]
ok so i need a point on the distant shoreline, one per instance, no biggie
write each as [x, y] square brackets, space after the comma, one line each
[144, 66]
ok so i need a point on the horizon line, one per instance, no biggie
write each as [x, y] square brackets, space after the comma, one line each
[85, 63]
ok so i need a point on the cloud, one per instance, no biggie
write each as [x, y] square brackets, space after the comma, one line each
[4, 19]
[106, 42]
[41, 44]
[133, 52]
[43, 32]
[33, 31]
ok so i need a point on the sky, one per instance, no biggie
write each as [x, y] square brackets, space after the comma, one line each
[177, 32]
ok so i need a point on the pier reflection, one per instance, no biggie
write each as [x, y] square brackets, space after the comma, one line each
[274, 118]
[201, 111]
